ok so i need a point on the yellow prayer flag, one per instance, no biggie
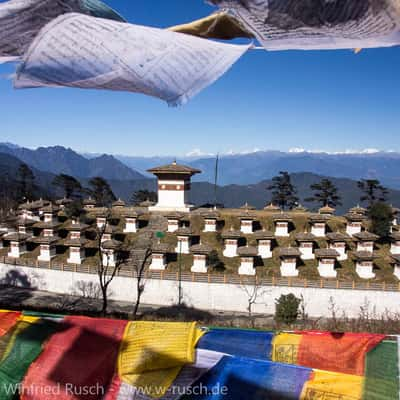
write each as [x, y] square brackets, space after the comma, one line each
[153, 353]
[331, 385]
[285, 348]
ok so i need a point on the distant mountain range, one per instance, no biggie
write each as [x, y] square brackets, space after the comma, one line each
[8, 172]
[239, 169]
[202, 192]
[243, 169]
[234, 196]
[242, 178]
[58, 160]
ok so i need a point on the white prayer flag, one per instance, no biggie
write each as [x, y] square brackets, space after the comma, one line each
[21, 21]
[318, 24]
[189, 374]
[92, 53]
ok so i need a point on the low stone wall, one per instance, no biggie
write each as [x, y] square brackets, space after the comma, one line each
[203, 295]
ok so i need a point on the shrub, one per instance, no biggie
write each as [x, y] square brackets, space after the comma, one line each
[287, 309]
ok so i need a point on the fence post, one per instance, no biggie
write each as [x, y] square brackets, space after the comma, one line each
[209, 278]
[273, 280]
[321, 283]
[337, 284]
[353, 285]
[225, 279]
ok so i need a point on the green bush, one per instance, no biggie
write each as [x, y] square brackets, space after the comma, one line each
[287, 309]
[381, 216]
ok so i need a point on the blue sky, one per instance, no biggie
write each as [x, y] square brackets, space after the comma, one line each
[331, 100]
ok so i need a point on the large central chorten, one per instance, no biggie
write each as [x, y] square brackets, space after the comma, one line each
[173, 187]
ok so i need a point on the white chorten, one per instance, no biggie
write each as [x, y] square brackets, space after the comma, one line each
[231, 239]
[365, 241]
[159, 257]
[338, 241]
[365, 264]
[289, 257]
[173, 187]
[247, 257]
[264, 243]
[396, 266]
[326, 262]
[17, 244]
[201, 255]
[395, 243]
[318, 225]
[354, 223]
[282, 225]
[306, 243]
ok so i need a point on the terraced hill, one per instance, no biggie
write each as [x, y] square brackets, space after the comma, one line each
[228, 220]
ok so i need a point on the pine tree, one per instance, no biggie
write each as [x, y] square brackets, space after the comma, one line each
[70, 186]
[381, 217]
[101, 191]
[143, 195]
[283, 191]
[26, 183]
[325, 193]
[75, 209]
[372, 191]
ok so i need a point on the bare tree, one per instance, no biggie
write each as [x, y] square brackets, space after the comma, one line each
[303, 314]
[111, 257]
[65, 302]
[87, 290]
[139, 263]
[254, 291]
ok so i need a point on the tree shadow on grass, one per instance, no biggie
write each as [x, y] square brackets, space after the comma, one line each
[179, 313]
[15, 288]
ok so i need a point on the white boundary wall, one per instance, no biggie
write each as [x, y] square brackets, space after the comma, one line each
[208, 296]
